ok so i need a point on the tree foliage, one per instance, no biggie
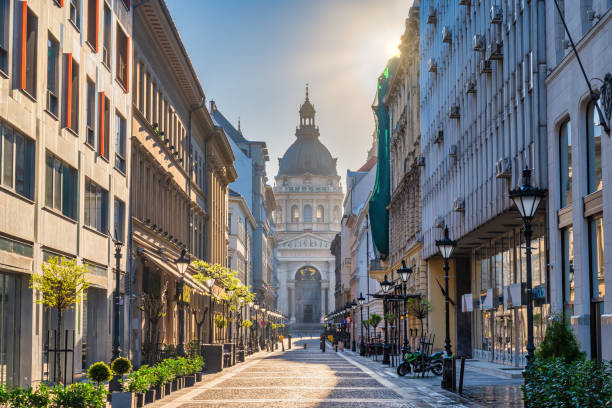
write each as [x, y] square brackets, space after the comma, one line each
[560, 341]
[418, 308]
[374, 320]
[61, 283]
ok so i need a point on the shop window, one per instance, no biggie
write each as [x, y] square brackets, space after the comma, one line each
[567, 242]
[106, 42]
[17, 162]
[92, 23]
[72, 94]
[307, 213]
[122, 61]
[61, 187]
[120, 140]
[53, 76]
[75, 13]
[119, 220]
[90, 113]
[593, 149]
[29, 43]
[565, 162]
[320, 213]
[4, 37]
[96, 207]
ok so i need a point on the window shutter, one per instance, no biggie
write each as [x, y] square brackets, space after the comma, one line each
[61, 3]
[69, 90]
[24, 41]
[102, 124]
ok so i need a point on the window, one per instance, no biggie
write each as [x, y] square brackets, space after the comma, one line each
[126, 3]
[104, 126]
[4, 38]
[92, 23]
[123, 45]
[120, 142]
[61, 187]
[28, 50]
[96, 207]
[307, 213]
[593, 149]
[52, 75]
[119, 220]
[565, 162]
[16, 162]
[320, 213]
[106, 45]
[90, 113]
[72, 94]
[567, 242]
[596, 245]
[75, 13]
[295, 214]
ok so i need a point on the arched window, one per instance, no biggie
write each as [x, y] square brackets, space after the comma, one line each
[320, 213]
[295, 214]
[565, 162]
[593, 149]
[307, 213]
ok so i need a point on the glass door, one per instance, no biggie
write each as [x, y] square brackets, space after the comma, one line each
[10, 328]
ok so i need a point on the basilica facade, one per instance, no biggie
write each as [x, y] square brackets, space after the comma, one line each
[308, 213]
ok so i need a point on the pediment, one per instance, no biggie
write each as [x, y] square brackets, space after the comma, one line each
[305, 240]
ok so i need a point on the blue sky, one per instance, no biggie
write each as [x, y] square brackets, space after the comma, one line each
[254, 57]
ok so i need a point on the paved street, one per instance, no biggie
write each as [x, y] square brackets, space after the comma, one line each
[304, 378]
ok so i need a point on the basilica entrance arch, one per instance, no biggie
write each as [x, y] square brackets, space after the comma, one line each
[308, 295]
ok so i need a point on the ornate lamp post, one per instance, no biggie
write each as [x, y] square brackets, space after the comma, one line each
[182, 263]
[527, 198]
[256, 307]
[263, 329]
[209, 283]
[114, 384]
[361, 299]
[353, 307]
[386, 287]
[404, 273]
[446, 247]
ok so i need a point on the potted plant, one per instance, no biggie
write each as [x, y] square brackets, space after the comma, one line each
[138, 382]
[122, 399]
[161, 375]
[79, 395]
[27, 397]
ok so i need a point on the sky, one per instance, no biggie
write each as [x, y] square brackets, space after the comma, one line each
[254, 58]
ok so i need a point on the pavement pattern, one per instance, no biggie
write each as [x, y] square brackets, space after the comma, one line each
[305, 378]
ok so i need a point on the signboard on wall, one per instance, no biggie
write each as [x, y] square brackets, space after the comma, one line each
[513, 296]
[467, 304]
[486, 299]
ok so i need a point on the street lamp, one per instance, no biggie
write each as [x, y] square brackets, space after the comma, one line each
[446, 247]
[361, 299]
[182, 263]
[114, 385]
[256, 307]
[209, 283]
[386, 287]
[353, 307]
[527, 198]
[404, 273]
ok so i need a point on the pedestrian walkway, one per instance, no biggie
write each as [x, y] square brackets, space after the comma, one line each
[307, 378]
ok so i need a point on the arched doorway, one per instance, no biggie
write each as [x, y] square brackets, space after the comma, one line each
[308, 295]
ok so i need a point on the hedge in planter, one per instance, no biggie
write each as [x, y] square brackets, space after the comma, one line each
[79, 395]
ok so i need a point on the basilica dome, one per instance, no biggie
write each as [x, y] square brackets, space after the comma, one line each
[307, 155]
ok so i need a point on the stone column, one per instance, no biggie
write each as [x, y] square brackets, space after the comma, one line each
[324, 285]
[291, 300]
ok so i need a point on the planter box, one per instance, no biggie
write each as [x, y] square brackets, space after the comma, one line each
[175, 384]
[240, 356]
[198, 377]
[123, 400]
[139, 400]
[213, 357]
[149, 396]
[159, 392]
[167, 388]
[190, 380]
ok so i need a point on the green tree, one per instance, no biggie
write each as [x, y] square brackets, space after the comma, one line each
[561, 342]
[419, 308]
[374, 321]
[62, 284]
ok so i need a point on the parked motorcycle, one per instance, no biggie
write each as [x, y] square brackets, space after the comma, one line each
[418, 363]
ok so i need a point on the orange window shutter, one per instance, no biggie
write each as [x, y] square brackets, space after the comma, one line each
[68, 90]
[61, 3]
[127, 65]
[102, 120]
[97, 23]
[24, 42]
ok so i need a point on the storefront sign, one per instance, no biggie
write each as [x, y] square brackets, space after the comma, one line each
[486, 299]
[467, 304]
[513, 296]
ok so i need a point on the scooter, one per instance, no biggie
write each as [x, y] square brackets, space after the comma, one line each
[419, 363]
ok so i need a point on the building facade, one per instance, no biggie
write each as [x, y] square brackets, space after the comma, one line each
[483, 120]
[580, 170]
[308, 211]
[64, 190]
[241, 225]
[183, 164]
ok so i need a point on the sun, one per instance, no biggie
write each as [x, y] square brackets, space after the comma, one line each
[392, 48]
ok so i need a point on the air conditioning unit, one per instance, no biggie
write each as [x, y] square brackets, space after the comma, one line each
[439, 137]
[431, 65]
[453, 112]
[431, 15]
[486, 67]
[495, 51]
[447, 35]
[459, 205]
[503, 168]
[478, 42]
[464, 2]
[420, 161]
[497, 15]
[453, 151]
[439, 222]
[470, 87]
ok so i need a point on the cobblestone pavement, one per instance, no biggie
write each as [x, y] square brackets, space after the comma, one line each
[305, 378]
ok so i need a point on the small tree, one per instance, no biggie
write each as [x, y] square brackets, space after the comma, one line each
[374, 321]
[62, 283]
[561, 342]
[418, 308]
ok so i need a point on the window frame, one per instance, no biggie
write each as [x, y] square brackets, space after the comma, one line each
[93, 30]
[4, 36]
[122, 53]
[107, 36]
[307, 215]
[59, 169]
[591, 149]
[90, 113]
[27, 165]
[72, 94]
[29, 51]
[565, 164]
[75, 6]
[94, 191]
[121, 144]
[119, 204]
[53, 93]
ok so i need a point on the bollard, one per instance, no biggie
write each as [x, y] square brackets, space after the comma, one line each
[289, 341]
[461, 370]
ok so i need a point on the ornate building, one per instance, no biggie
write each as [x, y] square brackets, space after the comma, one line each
[308, 210]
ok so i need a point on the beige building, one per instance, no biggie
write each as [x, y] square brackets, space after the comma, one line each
[64, 114]
[183, 164]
